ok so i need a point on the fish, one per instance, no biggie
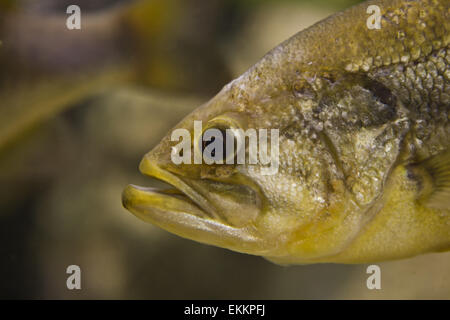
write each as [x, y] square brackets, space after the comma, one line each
[361, 105]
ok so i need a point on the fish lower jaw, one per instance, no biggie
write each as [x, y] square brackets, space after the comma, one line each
[145, 199]
[184, 218]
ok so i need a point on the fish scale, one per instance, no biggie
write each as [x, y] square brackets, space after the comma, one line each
[422, 85]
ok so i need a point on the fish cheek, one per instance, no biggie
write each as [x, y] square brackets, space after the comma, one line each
[238, 205]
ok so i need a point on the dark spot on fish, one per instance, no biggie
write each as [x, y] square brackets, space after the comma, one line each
[381, 92]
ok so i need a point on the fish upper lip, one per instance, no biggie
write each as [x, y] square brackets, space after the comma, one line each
[151, 169]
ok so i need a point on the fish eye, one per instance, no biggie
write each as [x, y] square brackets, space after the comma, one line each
[217, 144]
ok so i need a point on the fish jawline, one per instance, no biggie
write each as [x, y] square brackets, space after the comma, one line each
[136, 198]
[184, 218]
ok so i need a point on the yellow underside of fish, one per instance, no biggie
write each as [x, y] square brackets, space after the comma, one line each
[402, 228]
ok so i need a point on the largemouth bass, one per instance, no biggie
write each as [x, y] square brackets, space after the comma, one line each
[363, 168]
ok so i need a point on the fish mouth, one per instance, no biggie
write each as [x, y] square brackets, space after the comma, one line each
[183, 211]
[179, 197]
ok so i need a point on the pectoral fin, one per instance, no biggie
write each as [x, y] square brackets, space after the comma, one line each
[434, 176]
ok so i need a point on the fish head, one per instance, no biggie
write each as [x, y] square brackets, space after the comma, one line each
[214, 201]
[305, 193]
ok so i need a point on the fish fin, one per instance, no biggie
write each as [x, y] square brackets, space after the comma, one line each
[435, 179]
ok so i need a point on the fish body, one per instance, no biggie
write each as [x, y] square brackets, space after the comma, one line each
[363, 168]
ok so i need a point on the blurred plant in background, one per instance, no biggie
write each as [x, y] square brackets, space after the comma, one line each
[79, 108]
